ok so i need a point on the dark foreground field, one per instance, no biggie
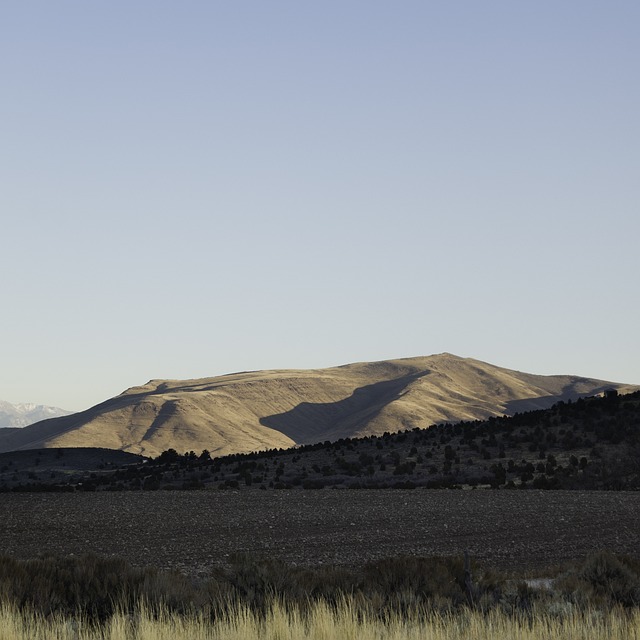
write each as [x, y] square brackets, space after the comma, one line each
[193, 531]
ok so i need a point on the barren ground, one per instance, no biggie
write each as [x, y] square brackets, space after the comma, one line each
[192, 531]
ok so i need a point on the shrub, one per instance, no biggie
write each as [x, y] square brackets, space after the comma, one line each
[604, 578]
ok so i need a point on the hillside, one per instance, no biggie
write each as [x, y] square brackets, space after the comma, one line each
[60, 466]
[592, 443]
[251, 411]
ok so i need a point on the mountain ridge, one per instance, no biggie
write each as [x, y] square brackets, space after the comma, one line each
[253, 410]
[22, 414]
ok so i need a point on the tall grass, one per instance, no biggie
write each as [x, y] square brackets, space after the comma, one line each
[323, 621]
[91, 598]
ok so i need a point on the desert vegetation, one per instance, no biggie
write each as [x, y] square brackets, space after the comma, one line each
[90, 597]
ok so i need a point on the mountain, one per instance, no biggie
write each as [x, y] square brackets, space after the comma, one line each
[21, 415]
[249, 411]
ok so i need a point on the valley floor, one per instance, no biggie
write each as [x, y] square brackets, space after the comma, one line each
[196, 530]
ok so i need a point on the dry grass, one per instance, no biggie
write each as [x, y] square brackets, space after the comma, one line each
[324, 622]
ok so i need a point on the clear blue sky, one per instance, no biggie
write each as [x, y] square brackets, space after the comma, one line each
[199, 187]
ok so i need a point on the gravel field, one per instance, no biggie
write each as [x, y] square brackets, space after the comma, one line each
[193, 531]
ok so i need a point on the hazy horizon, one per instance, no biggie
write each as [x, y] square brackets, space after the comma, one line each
[196, 189]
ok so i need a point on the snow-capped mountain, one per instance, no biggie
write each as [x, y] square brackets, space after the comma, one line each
[23, 414]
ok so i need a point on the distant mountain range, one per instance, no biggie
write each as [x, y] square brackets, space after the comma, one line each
[21, 415]
[258, 410]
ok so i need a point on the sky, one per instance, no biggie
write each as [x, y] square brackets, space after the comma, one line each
[194, 188]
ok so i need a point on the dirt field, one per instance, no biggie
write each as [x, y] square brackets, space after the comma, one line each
[192, 531]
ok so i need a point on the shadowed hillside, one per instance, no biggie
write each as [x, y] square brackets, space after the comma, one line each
[251, 411]
[311, 422]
